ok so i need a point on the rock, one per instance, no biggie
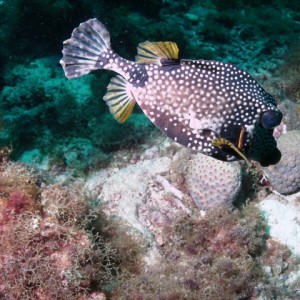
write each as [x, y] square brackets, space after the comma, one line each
[126, 189]
[283, 219]
[142, 197]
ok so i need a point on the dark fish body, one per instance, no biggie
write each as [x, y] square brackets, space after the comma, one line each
[193, 102]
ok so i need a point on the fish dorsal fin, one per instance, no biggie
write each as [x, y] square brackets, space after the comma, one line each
[157, 53]
[119, 99]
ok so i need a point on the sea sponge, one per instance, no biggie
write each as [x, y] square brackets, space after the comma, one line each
[284, 177]
[212, 182]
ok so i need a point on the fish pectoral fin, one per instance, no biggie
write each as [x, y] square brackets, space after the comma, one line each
[119, 99]
[158, 53]
[223, 143]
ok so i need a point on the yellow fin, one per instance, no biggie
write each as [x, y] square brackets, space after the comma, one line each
[155, 52]
[118, 99]
[221, 143]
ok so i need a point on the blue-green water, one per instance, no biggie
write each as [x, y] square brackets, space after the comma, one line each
[41, 110]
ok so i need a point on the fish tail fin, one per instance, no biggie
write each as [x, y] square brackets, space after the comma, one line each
[86, 50]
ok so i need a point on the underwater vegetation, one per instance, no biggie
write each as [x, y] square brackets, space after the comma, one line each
[48, 249]
[54, 245]
[159, 209]
[219, 256]
[34, 92]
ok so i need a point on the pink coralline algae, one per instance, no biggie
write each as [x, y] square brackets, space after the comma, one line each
[45, 252]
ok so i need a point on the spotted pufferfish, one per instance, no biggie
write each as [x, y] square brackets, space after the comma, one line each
[209, 106]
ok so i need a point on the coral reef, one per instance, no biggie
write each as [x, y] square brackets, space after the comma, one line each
[289, 73]
[43, 260]
[213, 183]
[139, 234]
[291, 120]
[235, 31]
[284, 177]
[46, 248]
[18, 190]
[35, 95]
[213, 257]
[207, 251]
[284, 83]
[276, 261]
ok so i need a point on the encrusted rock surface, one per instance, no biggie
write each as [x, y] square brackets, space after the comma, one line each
[283, 217]
[149, 195]
[121, 191]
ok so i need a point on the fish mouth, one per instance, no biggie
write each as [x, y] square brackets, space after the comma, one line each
[272, 158]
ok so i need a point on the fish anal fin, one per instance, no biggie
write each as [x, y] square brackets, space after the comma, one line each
[158, 53]
[119, 99]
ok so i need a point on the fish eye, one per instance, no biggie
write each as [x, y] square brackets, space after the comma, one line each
[270, 119]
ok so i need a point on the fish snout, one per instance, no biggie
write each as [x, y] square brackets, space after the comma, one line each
[271, 158]
[271, 118]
